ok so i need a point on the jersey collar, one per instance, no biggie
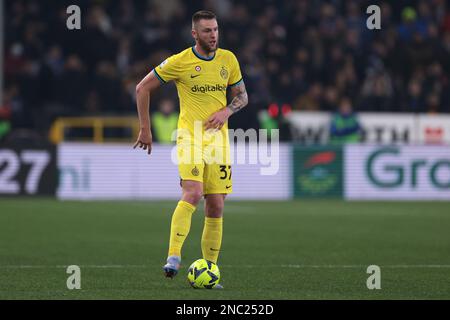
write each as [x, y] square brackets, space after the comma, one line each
[198, 55]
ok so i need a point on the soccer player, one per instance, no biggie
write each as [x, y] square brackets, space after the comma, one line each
[202, 74]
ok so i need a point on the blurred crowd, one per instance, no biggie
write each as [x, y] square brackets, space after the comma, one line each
[308, 54]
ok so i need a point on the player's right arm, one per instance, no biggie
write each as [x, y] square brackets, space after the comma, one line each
[143, 91]
[168, 70]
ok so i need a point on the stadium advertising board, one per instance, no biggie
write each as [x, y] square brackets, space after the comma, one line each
[309, 127]
[434, 129]
[397, 172]
[117, 172]
[317, 171]
[377, 128]
[28, 170]
[388, 128]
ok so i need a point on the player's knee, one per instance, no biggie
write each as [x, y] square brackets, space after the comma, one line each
[193, 196]
[214, 209]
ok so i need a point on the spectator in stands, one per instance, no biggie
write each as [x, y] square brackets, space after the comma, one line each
[344, 127]
[311, 100]
[411, 25]
[107, 84]
[331, 96]
[71, 85]
[164, 121]
[377, 90]
[433, 103]
[415, 101]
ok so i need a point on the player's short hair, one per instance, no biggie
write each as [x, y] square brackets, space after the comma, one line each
[202, 14]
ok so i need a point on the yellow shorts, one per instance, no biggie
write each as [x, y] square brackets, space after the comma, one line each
[210, 166]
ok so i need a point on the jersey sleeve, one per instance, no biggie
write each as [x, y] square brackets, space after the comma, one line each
[235, 72]
[168, 70]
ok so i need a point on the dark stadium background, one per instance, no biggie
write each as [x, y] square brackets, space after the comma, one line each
[303, 53]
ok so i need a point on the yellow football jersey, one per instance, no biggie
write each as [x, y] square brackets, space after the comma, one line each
[201, 84]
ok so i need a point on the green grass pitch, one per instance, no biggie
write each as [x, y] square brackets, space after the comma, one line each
[271, 250]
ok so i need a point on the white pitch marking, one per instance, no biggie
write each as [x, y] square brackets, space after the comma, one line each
[394, 266]
[289, 266]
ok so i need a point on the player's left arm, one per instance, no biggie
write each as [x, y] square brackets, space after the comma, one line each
[239, 99]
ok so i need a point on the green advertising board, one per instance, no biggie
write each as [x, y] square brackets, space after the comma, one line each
[317, 171]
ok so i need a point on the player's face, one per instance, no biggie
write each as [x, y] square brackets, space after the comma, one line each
[206, 34]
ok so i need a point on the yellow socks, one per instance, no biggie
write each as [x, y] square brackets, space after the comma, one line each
[212, 238]
[181, 224]
[179, 230]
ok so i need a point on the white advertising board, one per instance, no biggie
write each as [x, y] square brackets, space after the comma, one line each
[397, 172]
[309, 127]
[388, 128]
[118, 172]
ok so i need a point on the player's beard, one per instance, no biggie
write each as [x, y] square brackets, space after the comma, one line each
[206, 46]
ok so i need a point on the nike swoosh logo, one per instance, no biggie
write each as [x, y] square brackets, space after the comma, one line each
[228, 187]
[195, 76]
[180, 235]
[214, 249]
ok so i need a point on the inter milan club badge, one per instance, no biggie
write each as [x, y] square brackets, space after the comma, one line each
[224, 73]
[198, 68]
[195, 172]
